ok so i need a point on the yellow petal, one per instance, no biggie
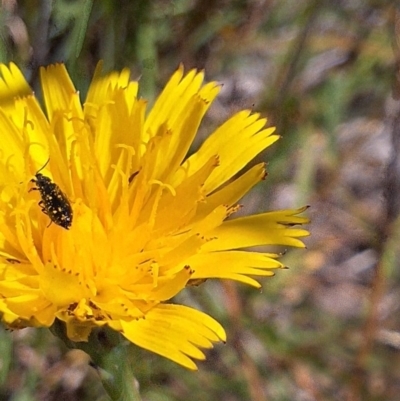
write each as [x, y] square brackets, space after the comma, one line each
[235, 265]
[57, 88]
[234, 150]
[234, 191]
[175, 332]
[12, 85]
[272, 228]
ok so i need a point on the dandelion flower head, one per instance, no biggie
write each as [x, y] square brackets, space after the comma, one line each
[104, 217]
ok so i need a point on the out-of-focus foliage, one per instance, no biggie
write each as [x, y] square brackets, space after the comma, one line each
[324, 73]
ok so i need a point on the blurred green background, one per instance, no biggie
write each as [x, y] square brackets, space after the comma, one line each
[326, 73]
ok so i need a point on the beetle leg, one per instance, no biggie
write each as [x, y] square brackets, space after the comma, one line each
[41, 204]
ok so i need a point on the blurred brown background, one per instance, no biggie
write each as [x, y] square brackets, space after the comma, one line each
[326, 73]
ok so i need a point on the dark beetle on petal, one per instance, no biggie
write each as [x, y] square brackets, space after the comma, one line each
[54, 202]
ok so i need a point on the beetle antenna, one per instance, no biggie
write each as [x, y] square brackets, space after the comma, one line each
[43, 166]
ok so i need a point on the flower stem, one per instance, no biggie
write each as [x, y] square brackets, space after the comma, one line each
[110, 358]
[116, 374]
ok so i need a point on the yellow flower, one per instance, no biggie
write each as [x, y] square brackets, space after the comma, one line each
[123, 219]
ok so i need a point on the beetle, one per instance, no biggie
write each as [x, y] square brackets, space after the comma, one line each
[53, 201]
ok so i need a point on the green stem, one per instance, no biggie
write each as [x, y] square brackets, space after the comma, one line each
[110, 358]
[116, 374]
